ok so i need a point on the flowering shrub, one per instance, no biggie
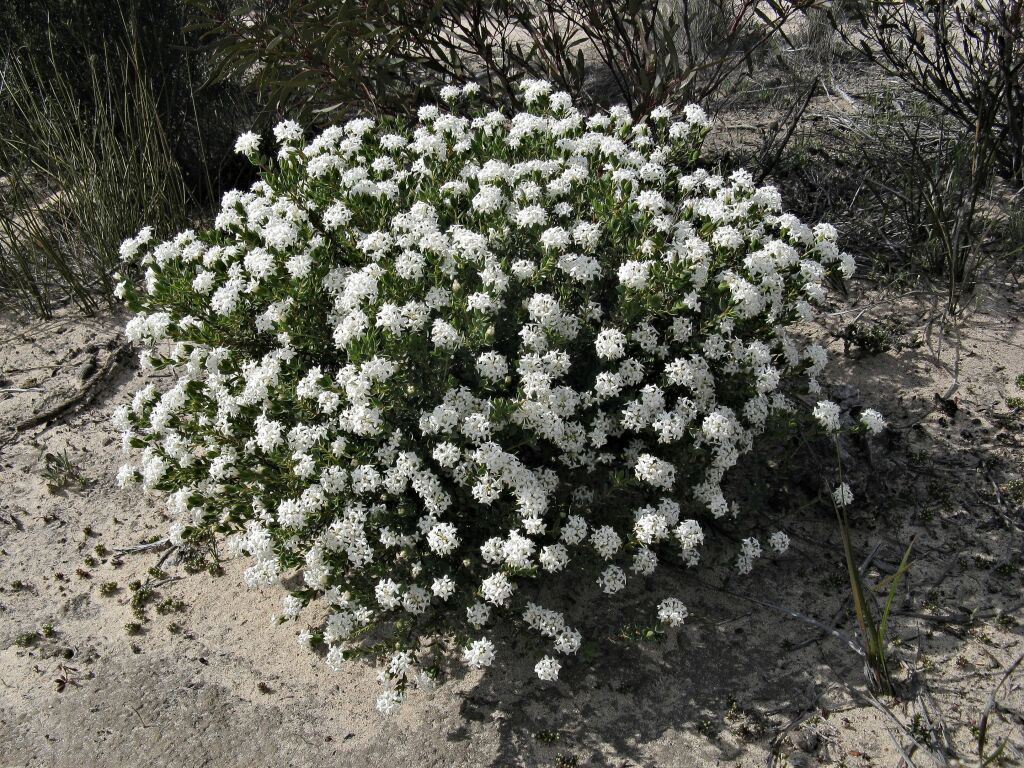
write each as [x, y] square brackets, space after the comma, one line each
[433, 369]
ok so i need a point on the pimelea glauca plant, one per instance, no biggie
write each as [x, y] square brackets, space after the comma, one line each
[433, 369]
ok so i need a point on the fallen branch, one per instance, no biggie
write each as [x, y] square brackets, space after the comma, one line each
[842, 607]
[144, 723]
[959, 618]
[807, 713]
[85, 395]
[141, 547]
[162, 582]
[871, 699]
[793, 615]
[164, 556]
[983, 720]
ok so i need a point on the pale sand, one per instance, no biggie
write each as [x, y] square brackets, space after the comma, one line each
[718, 692]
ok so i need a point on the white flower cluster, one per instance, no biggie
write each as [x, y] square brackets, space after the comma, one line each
[430, 369]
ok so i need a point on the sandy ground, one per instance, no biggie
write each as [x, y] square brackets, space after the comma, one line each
[210, 681]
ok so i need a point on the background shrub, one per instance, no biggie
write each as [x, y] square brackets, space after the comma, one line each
[966, 58]
[109, 128]
[78, 175]
[314, 58]
[213, 68]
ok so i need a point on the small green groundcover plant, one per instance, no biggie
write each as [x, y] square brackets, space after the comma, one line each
[438, 370]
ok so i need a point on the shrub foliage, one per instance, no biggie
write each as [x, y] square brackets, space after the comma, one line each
[432, 369]
[335, 57]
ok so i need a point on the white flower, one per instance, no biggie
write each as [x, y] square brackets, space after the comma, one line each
[492, 366]
[444, 335]
[727, 237]
[517, 550]
[531, 216]
[203, 281]
[388, 593]
[248, 143]
[533, 90]
[555, 239]
[443, 587]
[443, 539]
[610, 344]
[842, 496]
[287, 131]
[337, 215]
[446, 454]
[872, 421]
[689, 534]
[672, 612]
[523, 269]
[479, 653]
[827, 414]
[651, 528]
[655, 471]
[634, 274]
[543, 309]
[651, 201]
[606, 541]
[779, 541]
[554, 557]
[497, 589]
[547, 668]
[645, 562]
[125, 475]
[335, 657]
[388, 701]
[534, 526]
[574, 530]
[696, 116]
[568, 641]
[416, 600]
[611, 580]
[749, 551]
[523, 307]
[488, 199]
[478, 614]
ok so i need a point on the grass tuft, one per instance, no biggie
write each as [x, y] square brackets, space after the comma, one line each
[77, 176]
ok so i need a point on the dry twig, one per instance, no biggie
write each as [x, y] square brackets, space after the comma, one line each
[141, 547]
[983, 720]
[85, 395]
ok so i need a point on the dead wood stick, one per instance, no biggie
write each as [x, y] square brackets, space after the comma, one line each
[841, 636]
[164, 556]
[983, 720]
[84, 396]
[959, 618]
[141, 547]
